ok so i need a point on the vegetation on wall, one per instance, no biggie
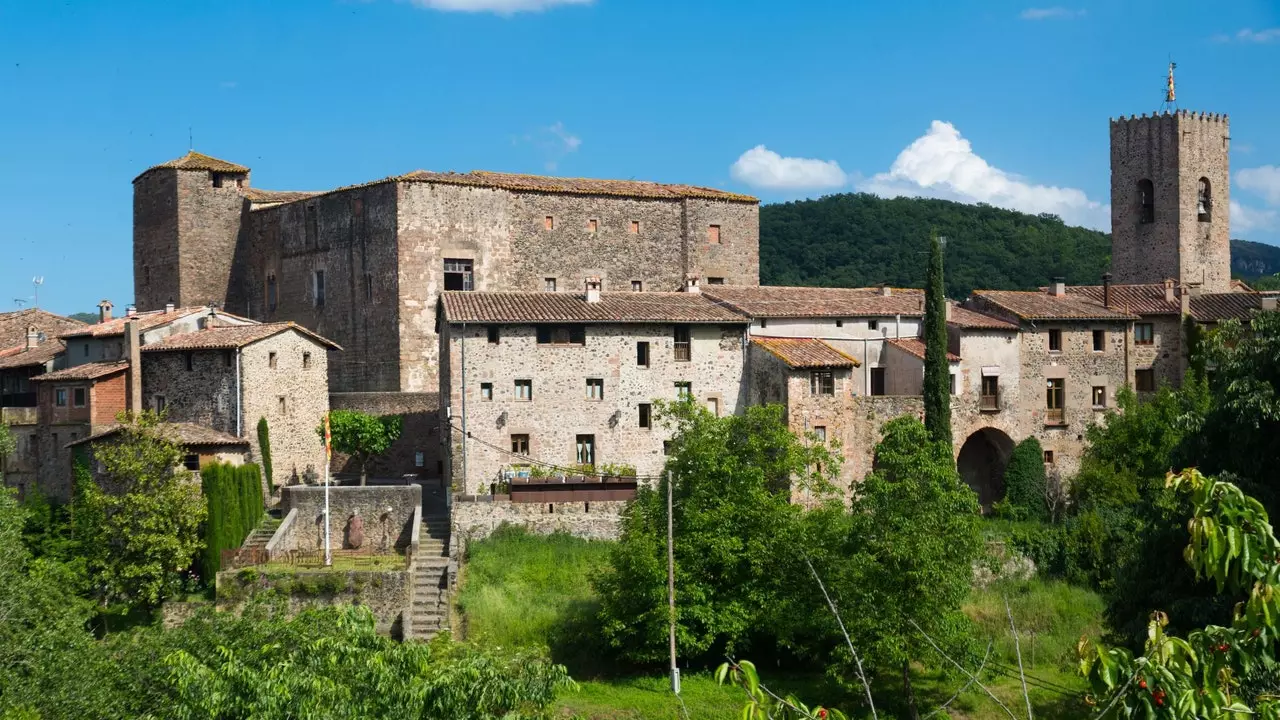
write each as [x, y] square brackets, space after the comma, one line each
[1026, 486]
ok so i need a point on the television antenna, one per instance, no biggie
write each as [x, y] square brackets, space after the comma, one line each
[19, 302]
[36, 282]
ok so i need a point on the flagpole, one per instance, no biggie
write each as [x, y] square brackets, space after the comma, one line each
[328, 459]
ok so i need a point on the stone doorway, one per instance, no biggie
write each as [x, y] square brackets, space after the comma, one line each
[981, 464]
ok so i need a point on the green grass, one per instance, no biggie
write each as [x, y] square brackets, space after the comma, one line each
[341, 563]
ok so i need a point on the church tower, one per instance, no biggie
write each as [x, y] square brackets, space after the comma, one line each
[1170, 199]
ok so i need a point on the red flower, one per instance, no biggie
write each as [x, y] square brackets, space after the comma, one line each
[822, 712]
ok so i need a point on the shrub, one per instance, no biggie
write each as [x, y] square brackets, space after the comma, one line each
[264, 443]
[1024, 480]
[234, 499]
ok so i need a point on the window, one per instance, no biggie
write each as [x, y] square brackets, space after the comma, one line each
[666, 447]
[458, 274]
[873, 325]
[713, 406]
[1099, 395]
[637, 286]
[86, 349]
[306, 361]
[586, 449]
[1054, 397]
[822, 382]
[146, 274]
[715, 281]
[821, 432]
[1048, 457]
[493, 334]
[1055, 341]
[682, 344]
[1144, 334]
[684, 389]
[1146, 202]
[642, 354]
[77, 397]
[562, 334]
[368, 287]
[191, 461]
[990, 398]
[593, 225]
[635, 227]
[595, 388]
[317, 288]
[282, 404]
[952, 385]
[877, 381]
[486, 391]
[549, 284]
[188, 359]
[1099, 340]
[713, 234]
[549, 223]
[840, 323]
[646, 415]
[1145, 379]
[312, 231]
[60, 397]
[273, 293]
[271, 361]
[217, 179]
[1204, 201]
[158, 403]
[520, 444]
[227, 357]
[524, 390]
[764, 323]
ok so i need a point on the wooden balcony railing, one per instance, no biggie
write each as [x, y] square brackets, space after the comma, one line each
[989, 402]
[1055, 416]
[682, 351]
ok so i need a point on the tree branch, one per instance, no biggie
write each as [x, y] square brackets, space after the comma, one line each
[857, 660]
[960, 667]
[966, 686]
[1017, 648]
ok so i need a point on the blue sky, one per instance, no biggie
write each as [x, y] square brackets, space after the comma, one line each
[1002, 101]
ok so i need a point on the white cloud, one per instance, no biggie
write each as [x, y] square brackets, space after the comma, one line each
[1249, 35]
[1245, 218]
[1263, 181]
[552, 142]
[763, 168]
[499, 7]
[1050, 13]
[942, 164]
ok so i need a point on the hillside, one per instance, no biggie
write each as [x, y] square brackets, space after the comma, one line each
[854, 240]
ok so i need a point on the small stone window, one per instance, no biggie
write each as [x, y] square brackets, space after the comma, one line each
[642, 354]
[549, 284]
[86, 349]
[646, 415]
[637, 286]
[1146, 202]
[682, 344]
[492, 331]
[458, 274]
[1145, 380]
[839, 323]
[715, 281]
[524, 390]
[1204, 201]
[368, 287]
[822, 382]
[1099, 340]
[78, 397]
[713, 406]
[713, 234]
[593, 225]
[520, 444]
[191, 461]
[1099, 395]
[188, 360]
[306, 361]
[873, 325]
[217, 179]
[1144, 334]
[1055, 341]
[317, 288]
[227, 358]
[684, 389]
[159, 403]
[561, 334]
[486, 391]
[549, 223]
[586, 449]
[635, 227]
[273, 293]
[820, 431]
[595, 388]
[1048, 457]
[271, 360]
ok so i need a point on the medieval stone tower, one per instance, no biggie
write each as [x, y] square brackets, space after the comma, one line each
[187, 216]
[1170, 200]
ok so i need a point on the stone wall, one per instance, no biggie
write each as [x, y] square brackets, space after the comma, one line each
[387, 513]
[295, 444]
[1165, 353]
[155, 239]
[387, 593]
[205, 394]
[475, 517]
[421, 434]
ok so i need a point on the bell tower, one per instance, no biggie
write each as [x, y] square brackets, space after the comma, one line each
[1170, 198]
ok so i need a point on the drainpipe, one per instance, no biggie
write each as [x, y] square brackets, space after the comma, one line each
[463, 362]
[239, 409]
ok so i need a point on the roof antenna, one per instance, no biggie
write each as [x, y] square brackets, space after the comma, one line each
[37, 281]
[1170, 96]
[191, 146]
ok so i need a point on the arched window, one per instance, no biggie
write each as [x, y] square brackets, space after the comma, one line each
[1146, 202]
[1204, 201]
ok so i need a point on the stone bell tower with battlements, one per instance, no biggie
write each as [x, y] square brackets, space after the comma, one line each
[1170, 199]
[187, 217]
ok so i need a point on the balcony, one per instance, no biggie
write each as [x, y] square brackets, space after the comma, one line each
[1055, 416]
[682, 351]
[989, 403]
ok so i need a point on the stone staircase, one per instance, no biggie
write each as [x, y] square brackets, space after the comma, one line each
[429, 607]
[261, 535]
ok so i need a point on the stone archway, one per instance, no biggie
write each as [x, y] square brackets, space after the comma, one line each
[982, 461]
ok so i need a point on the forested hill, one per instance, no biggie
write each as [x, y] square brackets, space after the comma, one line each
[856, 240]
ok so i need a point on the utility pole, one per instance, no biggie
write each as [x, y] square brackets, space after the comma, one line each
[463, 363]
[671, 591]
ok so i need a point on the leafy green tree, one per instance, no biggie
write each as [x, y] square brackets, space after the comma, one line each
[8, 446]
[736, 533]
[264, 443]
[362, 436]
[1025, 482]
[140, 527]
[937, 371]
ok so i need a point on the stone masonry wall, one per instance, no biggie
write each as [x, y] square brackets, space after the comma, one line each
[205, 394]
[420, 413]
[560, 409]
[387, 593]
[1164, 354]
[736, 258]
[155, 239]
[386, 510]
[295, 445]
[476, 517]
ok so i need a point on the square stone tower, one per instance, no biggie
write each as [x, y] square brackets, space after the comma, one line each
[1170, 200]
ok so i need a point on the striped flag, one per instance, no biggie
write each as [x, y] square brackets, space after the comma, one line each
[328, 440]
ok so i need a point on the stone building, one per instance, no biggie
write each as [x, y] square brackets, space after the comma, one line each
[200, 445]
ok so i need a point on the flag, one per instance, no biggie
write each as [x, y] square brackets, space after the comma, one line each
[328, 440]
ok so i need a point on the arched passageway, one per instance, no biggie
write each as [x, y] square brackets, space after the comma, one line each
[982, 461]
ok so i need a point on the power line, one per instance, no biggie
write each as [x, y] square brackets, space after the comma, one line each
[530, 460]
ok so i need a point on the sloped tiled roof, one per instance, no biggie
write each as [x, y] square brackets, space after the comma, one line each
[613, 307]
[971, 320]
[13, 325]
[198, 161]
[87, 371]
[1031, 305]
[806, 352]
[1213, 307]
[915, 346]
[258, 195]
[20, 356]
[228, 337]
[189, 434]
[781, 301]
[1150, 299]
[146, 321]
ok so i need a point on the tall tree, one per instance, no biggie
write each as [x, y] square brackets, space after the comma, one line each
[362, 436]
[7, 447]
[937, 371]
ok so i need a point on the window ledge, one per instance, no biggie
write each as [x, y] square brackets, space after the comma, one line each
[1055, 423]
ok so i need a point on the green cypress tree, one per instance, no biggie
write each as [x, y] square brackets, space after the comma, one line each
[1024, 480]
[937, 371]
[211, 558]
[264, 445]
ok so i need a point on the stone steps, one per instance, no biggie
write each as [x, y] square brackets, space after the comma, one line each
[261, 535]
[428, 611]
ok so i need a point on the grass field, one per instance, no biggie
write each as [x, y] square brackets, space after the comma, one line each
[527, 590]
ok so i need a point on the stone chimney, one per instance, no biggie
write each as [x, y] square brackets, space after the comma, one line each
[168, 307]
[1269, 303]
[886, 291]
[1168, 291]
[950, 304]
[1059, 287]
[1185, 300]
[691, 284]
[33, 337]
[593, 289]
[104, 311]
[130, 310]
[1196, 289]
[133, 349]
[1106, 290]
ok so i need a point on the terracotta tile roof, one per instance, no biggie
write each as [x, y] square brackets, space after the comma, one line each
[1144, 299]
[624, 307]
[20, 356]
[972, 320]
[13, 325]
[257, 195]
[87, 371]
[1213, 307]
[1033, 305]
[146, 321]
[198, 161]
[189, 434]
[228, 337]
[806, 352]
[780, 301]
[915, 346]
